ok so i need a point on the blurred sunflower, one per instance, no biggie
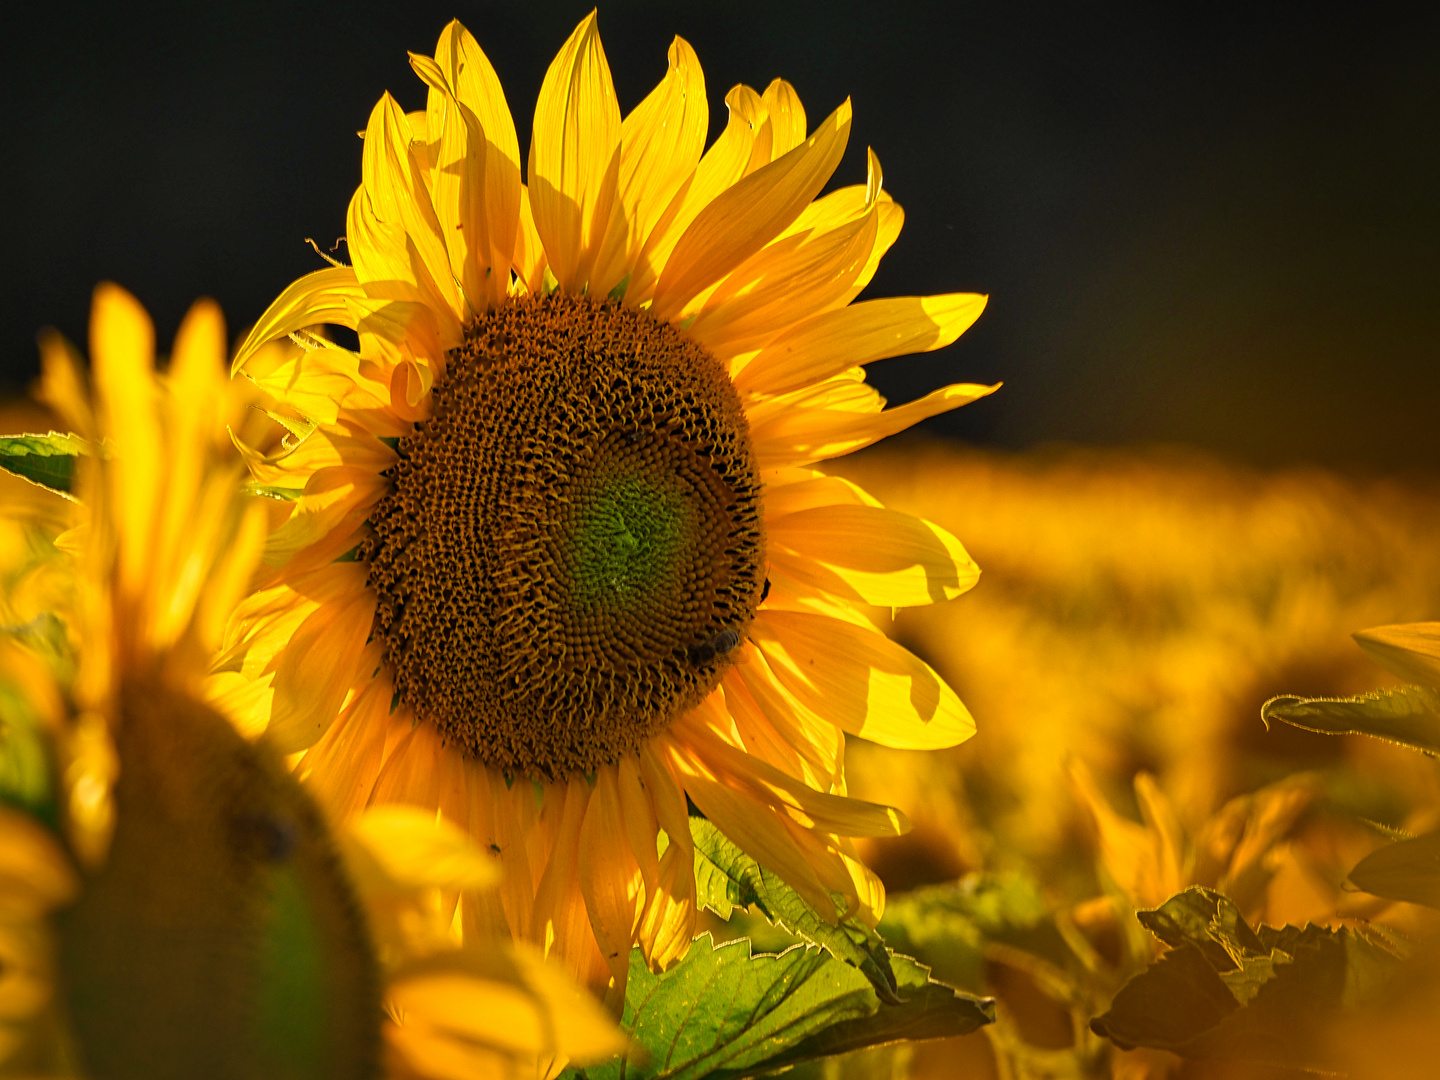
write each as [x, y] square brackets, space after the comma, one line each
[171, 902]
[554, 560]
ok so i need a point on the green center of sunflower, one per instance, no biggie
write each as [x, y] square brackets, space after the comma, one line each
[572, 544]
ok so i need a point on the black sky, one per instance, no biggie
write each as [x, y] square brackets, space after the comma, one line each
[1211, 224]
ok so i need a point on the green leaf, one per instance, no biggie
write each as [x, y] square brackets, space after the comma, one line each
[723, 1012]
[26, 779]
[1226, 991]
[725, 877]
[949, 926]
[1408, 870]
[1409, 715]
[931, 1010]
[46, 460]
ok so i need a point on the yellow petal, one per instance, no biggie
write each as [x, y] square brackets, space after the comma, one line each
[751, 213]
[122, 346]
[416, 849]
[62, 386]
[781, 285]
[1409, 650]
[668, 922]
[530, 259]
[812, 809]
[809, 746]
[320, 297]
[474, 83]
[35, 875]
[759, 832]
[505, 998]
[457, 187]
[609, 875]
[861, 681]
[638, 815]
[860, 334]
[722, 165]
[786, 117]
[660, 145]
[888, 557]
[802, 435]
[560, 922]
[334, 499]
[317, 668]
[395, 185]
[575, 156]
[340, 770]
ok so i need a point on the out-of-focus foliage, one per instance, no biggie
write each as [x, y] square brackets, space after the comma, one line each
[1230, 992]
[1134, 613]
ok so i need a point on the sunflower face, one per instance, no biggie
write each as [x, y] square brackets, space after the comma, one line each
[573, 541]
[574, 457]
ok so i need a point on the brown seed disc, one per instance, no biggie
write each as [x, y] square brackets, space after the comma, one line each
[573, 543]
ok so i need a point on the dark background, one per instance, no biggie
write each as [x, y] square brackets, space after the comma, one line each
[1211, 224]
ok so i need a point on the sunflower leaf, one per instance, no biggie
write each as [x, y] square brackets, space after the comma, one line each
[726, 1013]
[726, 878]
[1229, 992]
[1408, 870]
[1409, 715]
[46, 460]
[951, 926]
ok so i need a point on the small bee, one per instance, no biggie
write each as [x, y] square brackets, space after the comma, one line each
[716, 646]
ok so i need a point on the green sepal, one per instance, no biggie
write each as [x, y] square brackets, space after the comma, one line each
[1408, 870]
[47, 461]
[726, 878]
[726, 1013]
[1409, 715]
[1229, 992]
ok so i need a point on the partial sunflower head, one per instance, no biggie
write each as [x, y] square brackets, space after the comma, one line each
[171, 901]
[557, 561]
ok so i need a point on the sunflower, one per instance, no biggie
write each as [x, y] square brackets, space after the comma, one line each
[555, 560]
[171, 901]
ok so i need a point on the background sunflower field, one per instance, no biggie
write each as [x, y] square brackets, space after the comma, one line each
[1208, 236]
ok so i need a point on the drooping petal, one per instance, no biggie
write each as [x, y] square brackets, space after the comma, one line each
[813, 809]
[861, 681]
[318, 297]
[891, 556]
[760, 833]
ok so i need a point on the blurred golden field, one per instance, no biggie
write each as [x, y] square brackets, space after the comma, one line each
[1134, 612]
